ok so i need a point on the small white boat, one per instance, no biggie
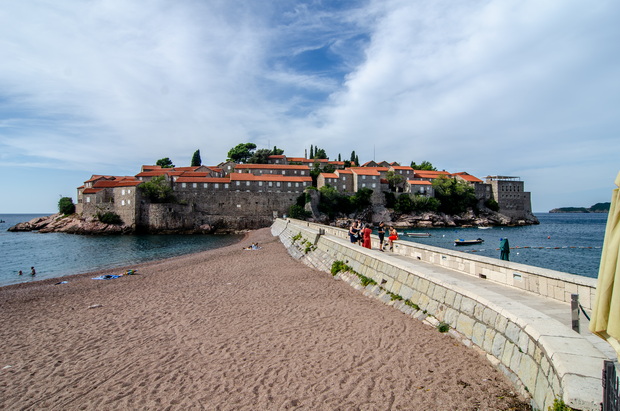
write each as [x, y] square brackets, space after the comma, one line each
[417, 234]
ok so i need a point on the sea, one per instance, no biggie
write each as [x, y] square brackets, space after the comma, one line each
[570, 243]
[56, 255]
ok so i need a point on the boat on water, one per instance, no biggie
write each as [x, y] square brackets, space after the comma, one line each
[484, 227]
[468, 242]
[417, 234]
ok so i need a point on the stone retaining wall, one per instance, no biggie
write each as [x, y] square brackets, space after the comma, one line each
[542, 357]
[548, 283]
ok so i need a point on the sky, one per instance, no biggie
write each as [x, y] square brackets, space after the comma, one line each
[523, 88]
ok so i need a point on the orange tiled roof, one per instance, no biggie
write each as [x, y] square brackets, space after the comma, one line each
[368, 171]
[330, 175]
[91, 190]
[345, 171]
[402, 168]
[272, 166]
[276, 156]
[268, 177]
[153, 173]
[196, 179]
[419, 182]
[468, 177]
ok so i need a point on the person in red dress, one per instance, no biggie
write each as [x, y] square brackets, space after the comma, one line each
[366, 236]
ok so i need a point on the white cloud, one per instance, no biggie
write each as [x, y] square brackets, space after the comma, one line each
[490, 87]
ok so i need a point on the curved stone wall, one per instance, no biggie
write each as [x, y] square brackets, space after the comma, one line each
[544, 358]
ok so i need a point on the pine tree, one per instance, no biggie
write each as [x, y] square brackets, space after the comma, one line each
[311, 151]
[339, 159]
[196, 161]
[353, 156]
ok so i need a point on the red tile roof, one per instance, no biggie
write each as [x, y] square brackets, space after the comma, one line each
[268, 177]
[402, 168]
[196, 179]
[91, 190]
[468, 177]
[330, 175]
[271, 167]
[419, 182]
[368, 171]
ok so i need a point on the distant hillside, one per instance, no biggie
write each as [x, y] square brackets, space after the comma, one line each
[596, 208]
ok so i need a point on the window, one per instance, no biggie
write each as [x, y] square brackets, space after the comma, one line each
[88, 199]
[122, 192]
[237, 183]
[303, 173]
[296, 184]
[260, 183]
[374, 185]
[225, 185]
[289, 184]
[271, 184]
[183, 185]
[206, 185]
[283, 172]
[128, 191]
[128, 202]
[278, 184]
[217, 185]
[247, 183]
[123, 202]
[194, 185]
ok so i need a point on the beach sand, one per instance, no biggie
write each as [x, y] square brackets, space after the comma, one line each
[230, 329]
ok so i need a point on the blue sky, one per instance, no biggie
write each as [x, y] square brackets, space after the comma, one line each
[521, 88]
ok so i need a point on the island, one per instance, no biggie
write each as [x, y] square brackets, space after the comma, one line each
[596, 208]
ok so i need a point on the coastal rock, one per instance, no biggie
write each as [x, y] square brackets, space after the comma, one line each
[72, 224]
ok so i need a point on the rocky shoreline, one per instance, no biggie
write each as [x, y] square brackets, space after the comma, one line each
[76, 224]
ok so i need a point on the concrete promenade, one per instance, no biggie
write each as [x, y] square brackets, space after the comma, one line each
[527, 336]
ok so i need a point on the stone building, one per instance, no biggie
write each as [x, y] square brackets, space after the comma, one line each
[510, 194]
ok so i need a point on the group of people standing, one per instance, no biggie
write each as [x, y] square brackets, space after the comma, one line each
[360, 233]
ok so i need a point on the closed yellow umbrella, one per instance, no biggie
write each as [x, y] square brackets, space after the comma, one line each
[605, 320]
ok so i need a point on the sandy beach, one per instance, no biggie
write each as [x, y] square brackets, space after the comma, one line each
[230, 329]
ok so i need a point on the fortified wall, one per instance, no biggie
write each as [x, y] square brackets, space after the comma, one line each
[543, 357]
[203, 211]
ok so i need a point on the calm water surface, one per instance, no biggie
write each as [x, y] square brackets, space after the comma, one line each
[57, 254]
[570, 243]
[564, 242]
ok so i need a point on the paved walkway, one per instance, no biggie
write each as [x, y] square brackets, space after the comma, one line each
[555, 309]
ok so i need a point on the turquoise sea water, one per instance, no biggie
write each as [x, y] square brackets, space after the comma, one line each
[565, 242]
[570, 243]
[56, 254]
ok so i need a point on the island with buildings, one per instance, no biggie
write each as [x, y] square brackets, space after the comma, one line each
[234, 196]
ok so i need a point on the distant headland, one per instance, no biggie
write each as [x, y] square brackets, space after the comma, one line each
[596, 208]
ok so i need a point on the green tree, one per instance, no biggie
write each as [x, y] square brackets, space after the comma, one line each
[157, 190]
[164, 163]
[66, 206]
[196, 161]
[454, 196]
[339, 158]
[277, 151]
[241, 152]
[424, 165]
[260, 156]
[353, 156]
[320, 153]
[311, 151]
[491, 204]
[395, 180]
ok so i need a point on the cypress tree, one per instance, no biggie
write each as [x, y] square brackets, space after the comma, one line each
[196, 161]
